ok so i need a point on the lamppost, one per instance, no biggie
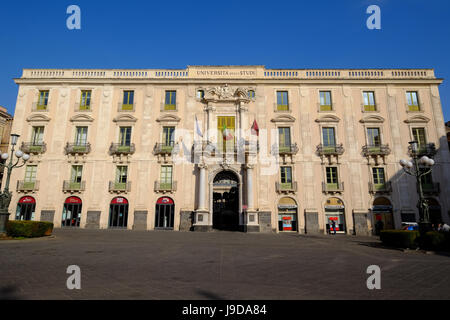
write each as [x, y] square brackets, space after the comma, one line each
[5, 196]
[412, 168]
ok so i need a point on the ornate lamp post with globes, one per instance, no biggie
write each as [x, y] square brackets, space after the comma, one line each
[412, 168]
[5, 196]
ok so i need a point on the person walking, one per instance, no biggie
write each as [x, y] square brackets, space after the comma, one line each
[333, 226]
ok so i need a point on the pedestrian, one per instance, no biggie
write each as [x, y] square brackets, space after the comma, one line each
[333, 226]
[446, 228]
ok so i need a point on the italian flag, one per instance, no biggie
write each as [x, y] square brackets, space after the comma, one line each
[227, 134]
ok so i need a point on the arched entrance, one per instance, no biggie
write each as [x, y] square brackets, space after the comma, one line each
[25, 208]
[434, 211]
[164, 213]
[71, 215]
[335, 212]
[287, 215]
[382, 210]
[118, 213]
[226, 201]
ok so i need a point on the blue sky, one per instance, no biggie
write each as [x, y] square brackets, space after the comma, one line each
[174, 34]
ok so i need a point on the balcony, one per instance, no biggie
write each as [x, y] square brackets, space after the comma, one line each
[380, 187]
[281, 107]
[165, 187]
[163, 148]
[121, 107]
[413, 107]
[27, 186]
[169, 107]
[39, 107]
[285, 187]
[428, 149]
[118, 149]
[82, 108]
[332, 187]
[119, 186]
[333, 150]
[431, 188]
[77, 148]
[33, 147]
[369, 107]
[285, 149]
[70, 186]
[376, 150]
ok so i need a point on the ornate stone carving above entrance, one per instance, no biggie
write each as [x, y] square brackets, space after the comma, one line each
[226, 93]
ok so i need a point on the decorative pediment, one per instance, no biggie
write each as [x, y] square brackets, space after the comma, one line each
[226, 93]
[328, 118]
[82, 118]
[38, 118]
[372, 119]
[283, 118]
[417, 119]
[125, 118]
[168, 118]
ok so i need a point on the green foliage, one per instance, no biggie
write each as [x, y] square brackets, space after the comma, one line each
[28, 229]
[400, 238]
[435, 240]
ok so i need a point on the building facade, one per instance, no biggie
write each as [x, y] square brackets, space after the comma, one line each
[5, 130]
[228, 147]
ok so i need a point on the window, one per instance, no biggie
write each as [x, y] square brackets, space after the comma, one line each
[43, 100]
[30, 173]
[369, 101]
[412, 100]
[128, 100]
[125, 136]
[286, 177]
[225, 128]
[37, 136]
[85, 103]
[426, 180]
[332, 177]
[282, 101]
[121, 175]
[200, 94]
[378, 178]
[81, 136]
[168, 136]
[171, 100]
[166, 177]
[328, 137]
[284, 136]
[373, 137]
[75, 176]
[419, 136]
[251, 94]
[325, 101]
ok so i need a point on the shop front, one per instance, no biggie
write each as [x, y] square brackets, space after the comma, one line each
[118, 213]
[287, 215]
[335, 216]
[382, 212]
[71, 215]
[26, 208]
[164, 213]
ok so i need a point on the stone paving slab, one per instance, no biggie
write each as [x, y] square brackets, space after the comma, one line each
[122, 264]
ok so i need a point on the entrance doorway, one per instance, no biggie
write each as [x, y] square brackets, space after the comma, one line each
[118, 213]
[164, 213]
[226, 201]
[25, 208]
[434, 211]
[382, 210]
[287, 215]
[335, 216]
[71, 212]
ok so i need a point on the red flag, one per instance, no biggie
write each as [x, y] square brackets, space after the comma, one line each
[255, 128]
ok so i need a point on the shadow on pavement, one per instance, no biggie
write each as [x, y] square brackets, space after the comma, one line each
[8, 293]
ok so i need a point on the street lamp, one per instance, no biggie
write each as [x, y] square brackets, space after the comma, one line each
[412, 168]
[5, 196]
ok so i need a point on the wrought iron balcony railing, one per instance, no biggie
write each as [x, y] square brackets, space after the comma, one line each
[332, 187]
[119, 186]
[380, 187]
[118, 148]
[165, 186]
[335, 150]
[74, 186]
[285, 149]
[428, 149]
[78, 148]
[33, 147]
[286, 187]
[164, 148]
[376, 150]
[27, 186]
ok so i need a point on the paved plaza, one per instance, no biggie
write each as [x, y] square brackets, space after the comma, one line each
[121, 264]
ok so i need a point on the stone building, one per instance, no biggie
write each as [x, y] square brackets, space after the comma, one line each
[5, 130]
[228, 147]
